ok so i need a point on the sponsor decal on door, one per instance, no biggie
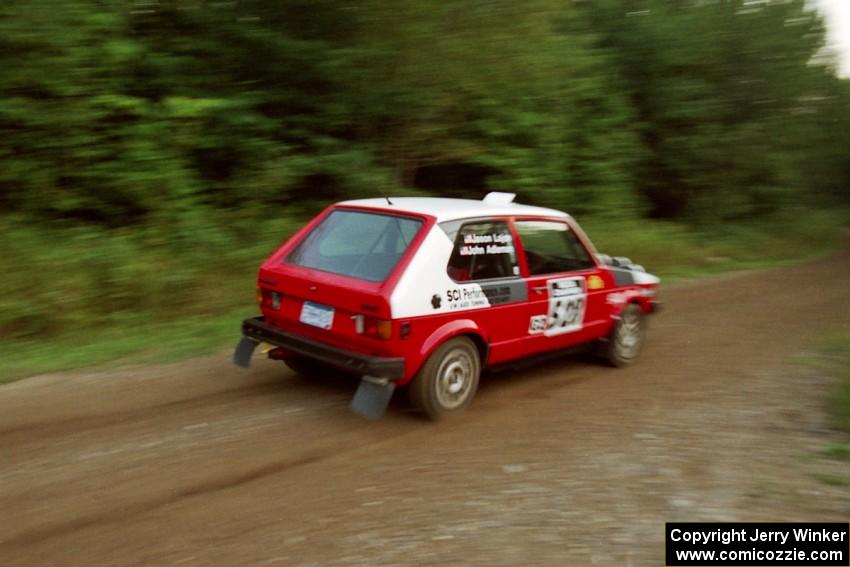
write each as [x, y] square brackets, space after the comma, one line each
[537, 324]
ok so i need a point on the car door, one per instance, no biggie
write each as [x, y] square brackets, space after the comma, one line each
[566, 288]
[488, 287]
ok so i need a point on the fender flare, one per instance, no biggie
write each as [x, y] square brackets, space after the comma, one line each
[629, 297]
[448, 331]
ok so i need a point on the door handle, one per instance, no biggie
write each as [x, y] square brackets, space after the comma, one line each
[539, 288]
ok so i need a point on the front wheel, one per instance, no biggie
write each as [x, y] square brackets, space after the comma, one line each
[626, 339]
[448, 380]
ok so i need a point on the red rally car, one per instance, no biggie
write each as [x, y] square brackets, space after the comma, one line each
[425, 292]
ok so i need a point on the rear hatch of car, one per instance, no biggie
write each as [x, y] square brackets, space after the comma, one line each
[330, 285]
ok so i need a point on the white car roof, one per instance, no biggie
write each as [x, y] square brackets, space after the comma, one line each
[445, 209]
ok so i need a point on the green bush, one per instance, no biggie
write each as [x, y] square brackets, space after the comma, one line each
[62, 280]
[835, 351]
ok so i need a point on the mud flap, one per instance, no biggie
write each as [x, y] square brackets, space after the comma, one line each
[244, 351]
[372, 397]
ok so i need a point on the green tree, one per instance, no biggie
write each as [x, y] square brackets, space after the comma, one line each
[723, 92]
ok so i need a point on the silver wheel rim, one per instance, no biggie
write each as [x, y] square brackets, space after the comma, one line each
[454, 378]
[629, 335]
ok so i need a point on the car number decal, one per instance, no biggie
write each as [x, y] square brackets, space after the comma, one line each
[567, 303]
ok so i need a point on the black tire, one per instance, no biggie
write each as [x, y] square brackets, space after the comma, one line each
[626, 339]
[447, 382]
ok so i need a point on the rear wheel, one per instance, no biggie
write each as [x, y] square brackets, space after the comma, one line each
[626, 339]
[448, 380]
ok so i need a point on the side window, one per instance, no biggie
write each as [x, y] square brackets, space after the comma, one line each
[483, 250]
[551, 247]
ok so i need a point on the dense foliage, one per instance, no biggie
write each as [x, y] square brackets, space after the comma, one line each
[117, 112]
[139, 132]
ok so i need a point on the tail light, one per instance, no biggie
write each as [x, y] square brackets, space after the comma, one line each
[268, 298]
[372, 327]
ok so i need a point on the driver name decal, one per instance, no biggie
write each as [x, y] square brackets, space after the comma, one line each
[477, 244]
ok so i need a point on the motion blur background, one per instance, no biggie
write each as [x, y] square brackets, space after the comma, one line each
[152, 153]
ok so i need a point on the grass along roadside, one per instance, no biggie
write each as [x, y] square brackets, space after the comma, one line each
[154, 342]
[675, 251]
[830, 359]
[835, 361]
[85, 298]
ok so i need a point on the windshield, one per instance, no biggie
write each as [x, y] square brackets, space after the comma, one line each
[357, 244]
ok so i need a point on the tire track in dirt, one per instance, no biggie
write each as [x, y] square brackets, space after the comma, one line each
[79, 424]
[129, 510]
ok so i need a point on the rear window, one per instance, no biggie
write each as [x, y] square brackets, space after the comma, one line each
[357, 244]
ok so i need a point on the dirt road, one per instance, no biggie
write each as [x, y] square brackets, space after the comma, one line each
[565, 463]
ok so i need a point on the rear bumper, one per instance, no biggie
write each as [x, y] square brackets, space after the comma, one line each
[380, 367]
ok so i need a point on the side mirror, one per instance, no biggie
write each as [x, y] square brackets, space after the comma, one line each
[604, 259]
[619, 262]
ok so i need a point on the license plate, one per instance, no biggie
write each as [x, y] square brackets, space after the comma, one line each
[317, 315]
